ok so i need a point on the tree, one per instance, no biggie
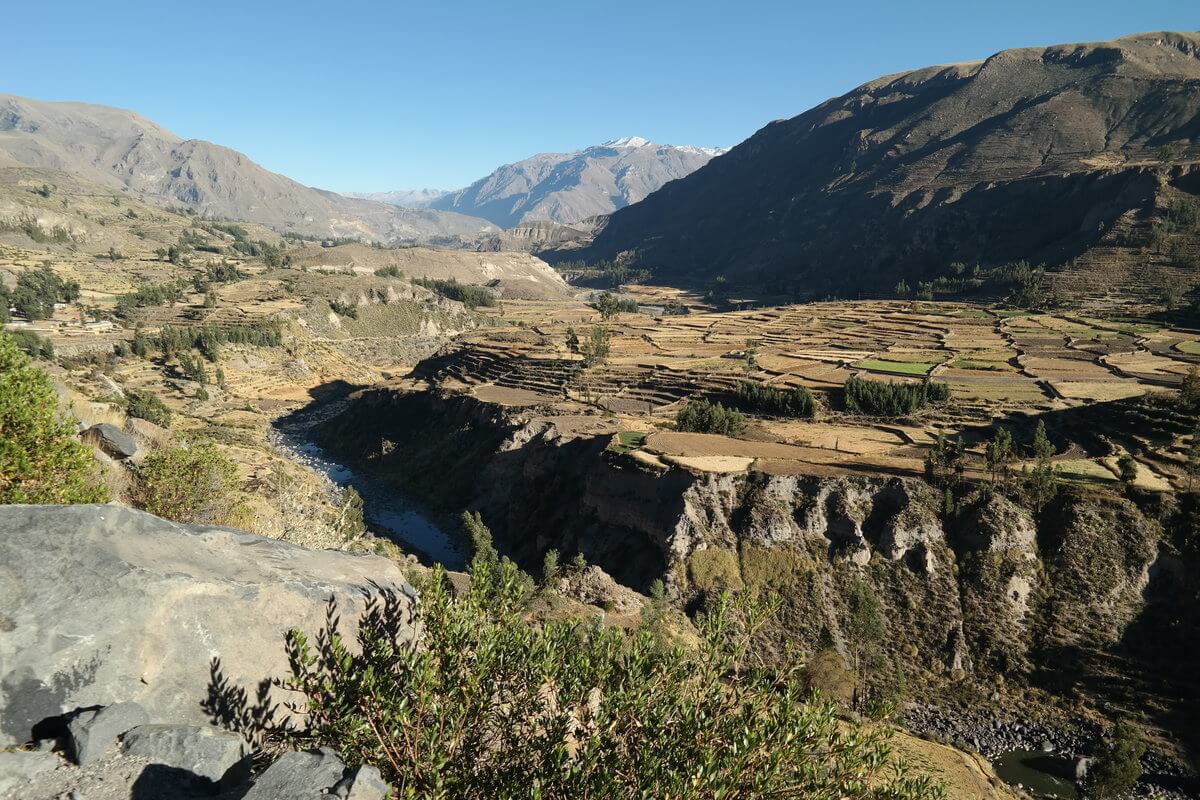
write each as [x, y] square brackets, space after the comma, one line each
[866, 629]
[186, 483]
[944, 462]
[41, 461]
[572, 340]
[487, 705]
[999, 454]
[1193, 460]
[144, 404]
[701, 416]
[596, 349]
[480, 538]
[1043, 480]
[1189, 390]
[549, 566]
[1119, 764]
[1127, 469]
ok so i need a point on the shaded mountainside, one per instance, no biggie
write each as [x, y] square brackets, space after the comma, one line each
[571, 187]
[1037, 154]
[118, 148]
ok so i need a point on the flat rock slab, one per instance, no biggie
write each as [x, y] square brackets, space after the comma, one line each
[220, 756]
[19, 768]
[104, 604]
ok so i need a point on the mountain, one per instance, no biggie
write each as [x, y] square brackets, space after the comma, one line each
[1069, 156]
[405, 198]
[570, 187]
[118, 148]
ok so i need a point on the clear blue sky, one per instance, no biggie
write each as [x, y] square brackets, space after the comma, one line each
[357, 95]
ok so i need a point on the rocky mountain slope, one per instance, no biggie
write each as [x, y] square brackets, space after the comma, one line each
[570, 187]
[118, 148]
[405, 198]
[1043, 154]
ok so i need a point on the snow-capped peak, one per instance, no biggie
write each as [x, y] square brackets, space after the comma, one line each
[627, 141]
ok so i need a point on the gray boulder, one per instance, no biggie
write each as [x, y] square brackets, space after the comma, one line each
[112, 440]
[299, 776]
[18, 768]
[220, 756]
[364, 782]
[102, 604]
[93, 732]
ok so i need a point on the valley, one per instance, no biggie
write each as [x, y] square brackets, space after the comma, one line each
[914, 374]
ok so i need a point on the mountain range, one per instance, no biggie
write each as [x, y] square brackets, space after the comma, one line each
[118, 148]
[1061, 155]
[405, 198]
[570, 188]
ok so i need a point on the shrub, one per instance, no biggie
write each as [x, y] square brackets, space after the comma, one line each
[609, 305]
[701, 416]
[148, 406]
[490, 706]
[390, 271]
[890, 398]
[41, 461]
[33, 345]
[469, 296]
[759, 398]
[186, 483]
[344, 309]
[1119, 764]
[154, 294]
[39, 289]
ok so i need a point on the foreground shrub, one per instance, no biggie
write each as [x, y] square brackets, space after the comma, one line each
[489, 706]
[192, 483]
[41, 461]
[701, 416]
[892, 398]
[759, 398]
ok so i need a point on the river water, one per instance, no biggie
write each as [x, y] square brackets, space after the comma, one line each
[388, 512]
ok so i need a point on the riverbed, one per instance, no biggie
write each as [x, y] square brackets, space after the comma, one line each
[388, 513]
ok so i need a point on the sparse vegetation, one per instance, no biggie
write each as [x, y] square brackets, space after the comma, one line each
[469, 296]
[37, 291]
[144, 404]
[597, 347]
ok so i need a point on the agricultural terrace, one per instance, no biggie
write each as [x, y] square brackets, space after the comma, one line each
[1103, 387]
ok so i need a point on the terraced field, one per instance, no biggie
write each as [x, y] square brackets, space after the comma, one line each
[1002, 368]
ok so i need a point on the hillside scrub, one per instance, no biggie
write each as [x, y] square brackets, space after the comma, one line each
[37, 291]
[892, 399]
[490, 706]
[41, 461]
[469, 296]
[186, 483]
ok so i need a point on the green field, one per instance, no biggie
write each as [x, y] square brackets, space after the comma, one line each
[625, 441]
[897, 367]
[1191, 347]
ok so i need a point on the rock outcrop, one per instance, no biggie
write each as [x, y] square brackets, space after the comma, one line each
[101, 605]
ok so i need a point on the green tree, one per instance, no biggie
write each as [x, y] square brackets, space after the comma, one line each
[1189, 390]
[701, 416]
[597, 347]
[572, 340]
[187, 483]
[490, 706]
[1042, 482]
[144, 404]
[41, 461]
[480, 537]
[866, 629]
[1119, 764]
[944, 465]
[999, 455]
[1193, 459]
[549, 566]
[1127, 469]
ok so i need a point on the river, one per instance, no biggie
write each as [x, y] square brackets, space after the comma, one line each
[388, 513]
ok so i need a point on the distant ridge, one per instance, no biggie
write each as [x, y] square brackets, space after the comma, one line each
[568, 188]
[118, 148]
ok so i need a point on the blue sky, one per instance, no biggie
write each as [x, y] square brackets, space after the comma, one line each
[379, 95]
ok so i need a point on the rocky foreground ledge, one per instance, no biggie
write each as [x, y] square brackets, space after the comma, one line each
[110, 621]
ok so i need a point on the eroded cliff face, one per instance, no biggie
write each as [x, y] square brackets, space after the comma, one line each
[984, 590]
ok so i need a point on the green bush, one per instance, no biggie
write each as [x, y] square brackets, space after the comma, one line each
[37, 291]
[186, 483]
[148, 406]
[1119, 764]
[41, 461]
[390, 271]
[890, 398]
[344, 309]
[490, 706]
[701, 416]
[759, 398]
[154, 294]
[33, 345]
